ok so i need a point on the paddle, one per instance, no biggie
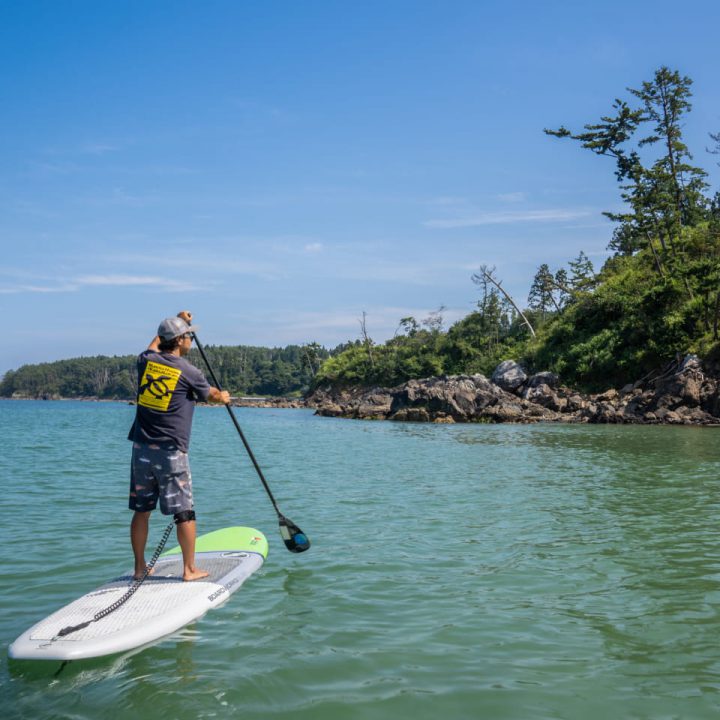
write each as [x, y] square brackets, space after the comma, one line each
[294, 538]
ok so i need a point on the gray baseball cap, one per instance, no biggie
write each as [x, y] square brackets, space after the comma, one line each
[172, 327]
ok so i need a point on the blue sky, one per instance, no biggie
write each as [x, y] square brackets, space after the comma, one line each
[280, 167]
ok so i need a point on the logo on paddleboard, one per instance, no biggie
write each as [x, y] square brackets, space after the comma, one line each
[224, 589]
[217, 594]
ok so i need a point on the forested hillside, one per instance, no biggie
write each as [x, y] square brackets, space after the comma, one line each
[241, 369]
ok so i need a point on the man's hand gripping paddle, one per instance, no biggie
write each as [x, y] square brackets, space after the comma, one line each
[294, 538]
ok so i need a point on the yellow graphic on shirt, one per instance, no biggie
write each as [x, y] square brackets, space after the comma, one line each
[157, 386]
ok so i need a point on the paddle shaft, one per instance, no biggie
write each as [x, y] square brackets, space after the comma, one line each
[237, 427]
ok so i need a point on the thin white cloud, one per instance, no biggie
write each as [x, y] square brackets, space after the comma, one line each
[398, 273]
[342, 324]
[117, 280]
[448, 200]
[512, 197]
[46, 169]
[235, 251]
[199, 261]
[84, 281]
[161, 283]
[509, 217]
[17, 289]
[359, 263]
[256, 110]
[98, 148]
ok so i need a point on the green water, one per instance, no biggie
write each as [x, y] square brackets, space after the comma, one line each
[456, 571]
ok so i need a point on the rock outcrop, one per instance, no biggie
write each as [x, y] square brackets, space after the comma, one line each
[681, 394]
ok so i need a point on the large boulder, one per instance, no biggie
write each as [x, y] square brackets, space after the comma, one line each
[509, 375]
[711, 399]
[682, 387]
[543, 378]
[455, 396]
[544, 395]
[329, 409]
[461, 398]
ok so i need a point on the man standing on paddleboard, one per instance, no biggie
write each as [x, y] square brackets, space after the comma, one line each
[168, 387]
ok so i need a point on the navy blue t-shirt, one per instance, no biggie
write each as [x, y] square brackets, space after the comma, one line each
[168, 387]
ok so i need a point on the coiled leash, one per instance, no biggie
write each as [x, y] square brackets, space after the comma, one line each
[131, 591]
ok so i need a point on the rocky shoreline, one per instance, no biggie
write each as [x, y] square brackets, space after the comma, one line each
[269, 402]
[683, 393]
[257, 402]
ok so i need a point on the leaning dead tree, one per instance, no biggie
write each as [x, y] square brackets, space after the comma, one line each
[367, 340]
[486, 275]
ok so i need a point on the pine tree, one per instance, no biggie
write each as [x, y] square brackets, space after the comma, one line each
[666, 196]
[541, 291]
[583, 276]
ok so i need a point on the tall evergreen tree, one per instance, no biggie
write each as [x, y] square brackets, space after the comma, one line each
[666, 196]
[541, 291]
[665, 101]
[561, 283]
[582, 276]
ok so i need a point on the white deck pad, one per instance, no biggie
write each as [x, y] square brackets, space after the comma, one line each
[163, 603]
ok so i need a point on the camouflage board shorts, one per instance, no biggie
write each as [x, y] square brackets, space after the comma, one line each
[160, 472]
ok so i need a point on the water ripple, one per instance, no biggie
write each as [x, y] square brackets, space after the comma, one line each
[468, 571]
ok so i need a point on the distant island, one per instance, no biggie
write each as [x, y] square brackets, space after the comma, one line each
[654, 304]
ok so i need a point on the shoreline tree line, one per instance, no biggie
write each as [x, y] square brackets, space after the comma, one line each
[244, 370]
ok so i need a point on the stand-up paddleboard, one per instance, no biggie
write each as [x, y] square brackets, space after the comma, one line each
[162, 604]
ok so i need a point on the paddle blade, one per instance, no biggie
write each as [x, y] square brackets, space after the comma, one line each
[294, 538]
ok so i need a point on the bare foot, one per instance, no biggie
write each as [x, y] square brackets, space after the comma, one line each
[139, 575]
[194, 574]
